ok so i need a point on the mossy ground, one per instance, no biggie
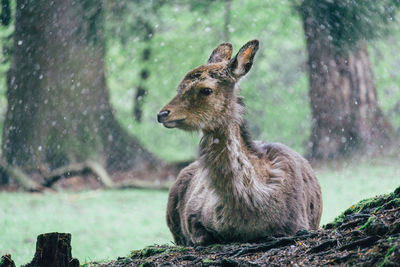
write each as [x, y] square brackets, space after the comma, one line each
[366, 234]
[373, 204]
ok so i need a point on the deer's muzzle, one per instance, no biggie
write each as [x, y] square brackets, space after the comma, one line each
[162, 116]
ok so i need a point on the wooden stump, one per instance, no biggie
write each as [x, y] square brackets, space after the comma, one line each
[6, 261]
[53, 249]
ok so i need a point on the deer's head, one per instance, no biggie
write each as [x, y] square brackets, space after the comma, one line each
[207, 97]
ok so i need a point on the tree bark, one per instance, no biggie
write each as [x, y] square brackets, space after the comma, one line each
[141, 90]
[58, 106]
[53, 249]
[345, 110]
[6, 261]
[227, 19]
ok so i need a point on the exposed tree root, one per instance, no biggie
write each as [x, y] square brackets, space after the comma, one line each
[142, 184]
[28, 184]
[23, 180]
[160, 178]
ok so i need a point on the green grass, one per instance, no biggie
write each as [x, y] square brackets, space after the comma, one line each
[345, 183]
[103, 224]
[108, 224]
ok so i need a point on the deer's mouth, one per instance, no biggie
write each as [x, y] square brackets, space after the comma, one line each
[173, 124]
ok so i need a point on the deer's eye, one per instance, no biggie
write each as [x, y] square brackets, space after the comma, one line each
[206, 91]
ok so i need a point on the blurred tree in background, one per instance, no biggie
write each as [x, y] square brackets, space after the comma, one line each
[58, 106]
[140, 18]
[345, 110]
[205, 7]
[140, 50]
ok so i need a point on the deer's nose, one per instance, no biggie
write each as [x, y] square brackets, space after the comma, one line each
[162, 115]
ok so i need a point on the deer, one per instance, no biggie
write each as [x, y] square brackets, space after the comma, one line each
[238, 190]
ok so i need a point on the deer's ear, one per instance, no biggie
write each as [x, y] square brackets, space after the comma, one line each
[242, 62]
[223, 52]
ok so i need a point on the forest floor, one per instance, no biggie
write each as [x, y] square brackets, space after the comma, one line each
[366, 234]
[138, 215]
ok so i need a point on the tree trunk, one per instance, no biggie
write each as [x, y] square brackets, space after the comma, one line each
[53, 249]
[141, 90]
[345, 110]
[58, 107]
[227, 20]
[6, 261]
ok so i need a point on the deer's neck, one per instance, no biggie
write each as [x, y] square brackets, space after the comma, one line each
[227, 163]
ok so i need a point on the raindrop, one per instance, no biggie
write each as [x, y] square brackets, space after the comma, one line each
[40, 148]
[20, 42]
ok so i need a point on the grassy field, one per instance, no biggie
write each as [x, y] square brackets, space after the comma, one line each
[104, 224]
[108, 224]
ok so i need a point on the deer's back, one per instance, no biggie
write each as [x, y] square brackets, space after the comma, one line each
[301, 187]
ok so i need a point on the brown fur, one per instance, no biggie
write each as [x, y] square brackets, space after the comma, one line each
[238, 190]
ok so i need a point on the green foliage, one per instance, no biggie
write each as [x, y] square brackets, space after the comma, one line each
[5, 52]
[351, 21]
[129, 21]
[370, 221]
[207, 261]
[386, 261]
[156, 249]
[275, 90]
[384, 57]
[147, 252]
[272, 90]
